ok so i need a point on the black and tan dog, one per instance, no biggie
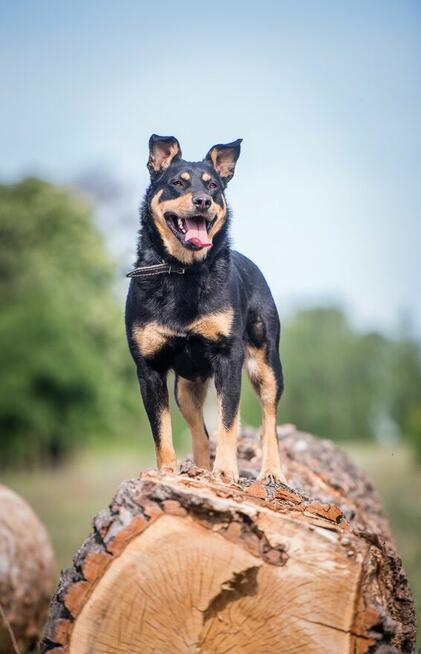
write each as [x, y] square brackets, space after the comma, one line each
[200, 309]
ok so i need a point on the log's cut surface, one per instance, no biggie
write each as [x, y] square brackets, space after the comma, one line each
[184, 564]
[26, 573]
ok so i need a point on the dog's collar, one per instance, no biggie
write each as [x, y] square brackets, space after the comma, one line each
[156, 269]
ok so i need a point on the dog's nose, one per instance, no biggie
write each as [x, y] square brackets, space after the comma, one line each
[202, 201]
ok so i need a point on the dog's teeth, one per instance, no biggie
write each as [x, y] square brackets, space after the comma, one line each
[180, 224]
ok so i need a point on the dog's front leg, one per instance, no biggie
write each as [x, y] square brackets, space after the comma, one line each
[227, 369]
[153, 387]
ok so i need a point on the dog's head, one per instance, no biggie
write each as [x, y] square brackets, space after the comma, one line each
[186, 200]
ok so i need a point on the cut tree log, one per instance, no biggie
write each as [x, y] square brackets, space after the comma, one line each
[27, 572]
[185, 563]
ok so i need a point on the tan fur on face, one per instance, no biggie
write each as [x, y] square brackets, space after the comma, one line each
[185, 176]
[165, 454]
[190, 397]
[206, 177]
[221, 215]
[183, 207]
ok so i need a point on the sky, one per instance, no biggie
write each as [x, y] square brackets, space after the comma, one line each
[326, 198]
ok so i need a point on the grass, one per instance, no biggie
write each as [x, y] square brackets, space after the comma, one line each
[68, 497]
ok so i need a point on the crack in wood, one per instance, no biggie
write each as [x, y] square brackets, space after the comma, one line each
[241, 584]
[335, 628]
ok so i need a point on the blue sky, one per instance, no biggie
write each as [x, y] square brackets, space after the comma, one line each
[326, 95]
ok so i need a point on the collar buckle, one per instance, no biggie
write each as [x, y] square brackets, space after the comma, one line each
[179, 271]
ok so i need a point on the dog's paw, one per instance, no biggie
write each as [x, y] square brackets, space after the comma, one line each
[272, 476]
[202, 462]
[226, 473]
[170, 469]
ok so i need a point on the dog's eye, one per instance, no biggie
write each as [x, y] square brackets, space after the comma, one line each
[177, 183]
[212, 186]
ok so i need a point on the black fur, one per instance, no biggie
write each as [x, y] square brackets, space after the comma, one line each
[224, 279]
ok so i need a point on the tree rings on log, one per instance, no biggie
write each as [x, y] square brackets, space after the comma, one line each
[185, 563]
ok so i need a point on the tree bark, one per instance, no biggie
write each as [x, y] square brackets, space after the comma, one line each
[26, 574]
[185, 563]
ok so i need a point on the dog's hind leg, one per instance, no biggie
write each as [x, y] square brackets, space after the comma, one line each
[190, 397]
[265, 372]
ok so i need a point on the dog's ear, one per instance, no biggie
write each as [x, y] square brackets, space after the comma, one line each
[223, 158]
[162, 151]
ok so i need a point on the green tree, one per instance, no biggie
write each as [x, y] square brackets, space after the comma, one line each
[66, 372]
[404, 377]
[331, 374]
[345, 384]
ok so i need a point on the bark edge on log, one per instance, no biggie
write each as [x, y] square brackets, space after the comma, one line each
[326, 493]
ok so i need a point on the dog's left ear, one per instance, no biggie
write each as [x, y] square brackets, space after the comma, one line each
[162, 151]
[223, 158]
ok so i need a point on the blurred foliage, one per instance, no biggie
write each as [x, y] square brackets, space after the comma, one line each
[345, 384]
[66, 372]
[68, 378]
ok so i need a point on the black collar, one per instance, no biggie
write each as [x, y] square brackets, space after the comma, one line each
[156, 269]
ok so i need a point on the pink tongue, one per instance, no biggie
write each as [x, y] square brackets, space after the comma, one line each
[197, 233]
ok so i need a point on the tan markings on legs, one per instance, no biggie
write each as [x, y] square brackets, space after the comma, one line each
[225, 465]
[206, 177]
[165, 454]
[190, 398]
[213, 325]
[264, 382]
[152, 337]
[185, 176]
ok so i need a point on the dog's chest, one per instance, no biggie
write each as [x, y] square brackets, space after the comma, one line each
[154, 336]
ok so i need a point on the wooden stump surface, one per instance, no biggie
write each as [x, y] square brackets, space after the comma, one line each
[185, 563]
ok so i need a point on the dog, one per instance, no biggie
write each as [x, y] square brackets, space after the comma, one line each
[198, 308]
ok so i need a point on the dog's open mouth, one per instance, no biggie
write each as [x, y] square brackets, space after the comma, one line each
[192, 232]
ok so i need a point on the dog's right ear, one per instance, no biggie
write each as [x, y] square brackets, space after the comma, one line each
[223, 158]
[162, 151]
